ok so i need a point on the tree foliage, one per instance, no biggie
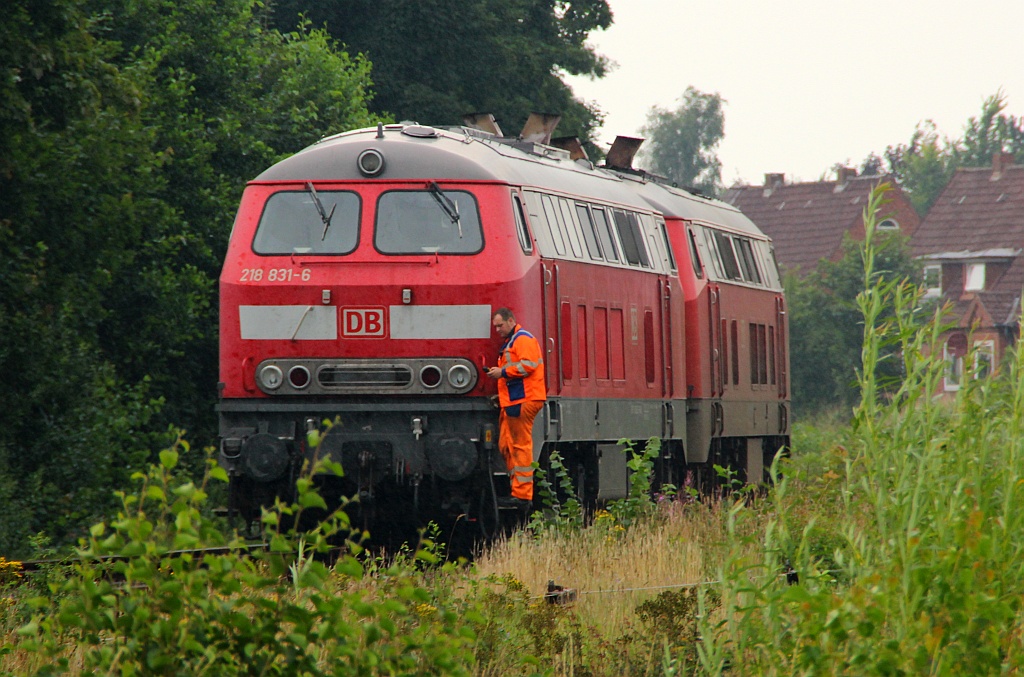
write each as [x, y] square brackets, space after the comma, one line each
[127, 132]
[681, 142]
[826, 328]
[437, 60]
[924, 165]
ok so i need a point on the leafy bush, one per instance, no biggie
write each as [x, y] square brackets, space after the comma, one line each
[144, 600]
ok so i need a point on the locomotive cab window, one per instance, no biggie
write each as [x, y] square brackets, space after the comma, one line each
[434, 221]
[308, 222]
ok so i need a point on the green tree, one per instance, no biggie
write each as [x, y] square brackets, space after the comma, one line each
[924, 165]
[681, 142]
[826, 327]
[127, 132]
[437, 60]
[991, 132]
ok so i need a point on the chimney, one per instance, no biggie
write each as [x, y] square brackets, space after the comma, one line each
[538, 127]
[843, 176]
[620, 155]
[1000, 161]
[773, 181]
[485, 122]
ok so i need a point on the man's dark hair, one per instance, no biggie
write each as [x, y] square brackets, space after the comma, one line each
[505, 313]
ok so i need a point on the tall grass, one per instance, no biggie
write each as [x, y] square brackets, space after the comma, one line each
[927, 573]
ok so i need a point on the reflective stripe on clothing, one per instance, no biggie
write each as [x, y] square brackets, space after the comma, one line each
[522, 369]
[515, 441]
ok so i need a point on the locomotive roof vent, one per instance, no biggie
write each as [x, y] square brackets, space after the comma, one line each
[539, 127]
[620, 155]
[572, 145]
[483, 122]
[419, 131]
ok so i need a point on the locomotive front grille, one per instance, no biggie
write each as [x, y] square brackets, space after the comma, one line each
[365, 376]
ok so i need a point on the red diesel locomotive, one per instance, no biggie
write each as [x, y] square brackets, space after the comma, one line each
[361, 277]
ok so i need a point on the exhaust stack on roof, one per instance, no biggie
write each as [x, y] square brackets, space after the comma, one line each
[571, 144]
[620, 155]
[485, 122]
[538, 128]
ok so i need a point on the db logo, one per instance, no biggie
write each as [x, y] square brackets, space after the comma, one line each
[362, 322]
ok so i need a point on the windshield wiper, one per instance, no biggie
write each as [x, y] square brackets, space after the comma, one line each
[324, 216]
[449, 207]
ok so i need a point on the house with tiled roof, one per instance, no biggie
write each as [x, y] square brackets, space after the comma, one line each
[807, 221]
[970, 243]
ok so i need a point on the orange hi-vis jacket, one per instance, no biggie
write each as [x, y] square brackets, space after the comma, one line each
[522, 368]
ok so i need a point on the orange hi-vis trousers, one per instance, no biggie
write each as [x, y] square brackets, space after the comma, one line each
[515, 441]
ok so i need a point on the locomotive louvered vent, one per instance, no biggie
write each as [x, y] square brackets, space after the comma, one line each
[365, 376]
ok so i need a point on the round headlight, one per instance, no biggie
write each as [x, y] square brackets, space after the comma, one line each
[370, 162]
[430, 376]
[459, 376]
[298, 376]
[271, 377]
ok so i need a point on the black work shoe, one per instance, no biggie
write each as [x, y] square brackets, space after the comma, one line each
[513, 502]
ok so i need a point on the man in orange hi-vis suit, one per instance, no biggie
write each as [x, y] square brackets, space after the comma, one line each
[521, 394]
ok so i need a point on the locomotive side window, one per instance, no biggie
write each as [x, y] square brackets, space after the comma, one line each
[648, 230]
[604, 233]
[589, 234]
[524, 234]
[728, 257]
[292, 224]
[667, 245]
[632, 240]
[414, 222]
[746, 259]
[698, 267]
[554, 225]
[571, 228]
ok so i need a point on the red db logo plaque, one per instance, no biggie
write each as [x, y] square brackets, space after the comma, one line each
[362, 322]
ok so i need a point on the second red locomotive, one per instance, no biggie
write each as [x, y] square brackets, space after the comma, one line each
[359, 285]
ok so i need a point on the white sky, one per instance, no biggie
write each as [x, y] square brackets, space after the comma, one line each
[809, 83]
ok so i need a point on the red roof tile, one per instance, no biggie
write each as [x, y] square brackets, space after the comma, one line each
[806, 221]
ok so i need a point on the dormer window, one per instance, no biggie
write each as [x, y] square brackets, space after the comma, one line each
[974, 277]
[888, 224]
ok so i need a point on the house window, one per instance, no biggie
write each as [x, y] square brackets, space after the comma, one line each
[953, 352]
[888, 224]
[974, 277]
[932, 280]
[984, 358]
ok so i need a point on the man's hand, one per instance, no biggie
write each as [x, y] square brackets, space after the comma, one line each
[494, 372]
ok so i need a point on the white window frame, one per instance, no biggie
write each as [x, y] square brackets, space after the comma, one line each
[954, 371]
[986, 347]
[974, 277]
[936, 290]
